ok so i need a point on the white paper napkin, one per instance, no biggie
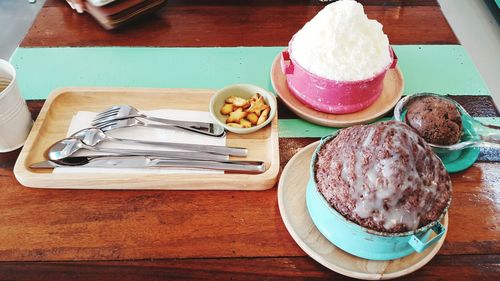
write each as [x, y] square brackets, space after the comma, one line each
[83, 119]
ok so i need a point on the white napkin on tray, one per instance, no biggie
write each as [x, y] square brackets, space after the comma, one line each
[83, 119]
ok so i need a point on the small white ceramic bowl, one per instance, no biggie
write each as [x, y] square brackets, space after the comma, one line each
[245, 91]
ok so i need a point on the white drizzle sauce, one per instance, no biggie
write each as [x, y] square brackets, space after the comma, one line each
[389, 177]
[369, 137]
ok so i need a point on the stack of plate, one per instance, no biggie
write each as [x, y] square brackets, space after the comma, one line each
[115, 13]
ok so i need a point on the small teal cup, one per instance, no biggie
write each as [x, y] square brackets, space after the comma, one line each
[453, 160]
[361, 241]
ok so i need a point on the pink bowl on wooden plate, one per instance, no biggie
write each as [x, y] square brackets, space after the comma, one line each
[331, 96]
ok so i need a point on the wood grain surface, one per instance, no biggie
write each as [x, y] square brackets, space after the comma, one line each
[56, 225]
[240, 230]
[230, 235]
[442, 267]
[229, 23]
[93, 225]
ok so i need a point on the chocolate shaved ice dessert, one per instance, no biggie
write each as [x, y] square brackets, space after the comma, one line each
[435, 119]
[383, 177]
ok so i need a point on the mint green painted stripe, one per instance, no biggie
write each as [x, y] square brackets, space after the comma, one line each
[439, 69]
[435, 68]
[298, 128]
[43, 69]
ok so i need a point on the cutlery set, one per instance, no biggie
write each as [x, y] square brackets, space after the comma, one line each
[63, 153]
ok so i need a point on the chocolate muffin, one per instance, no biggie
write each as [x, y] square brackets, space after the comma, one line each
[383, 177]
[435, 119]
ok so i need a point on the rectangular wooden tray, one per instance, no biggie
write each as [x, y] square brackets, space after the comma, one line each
[58, 110]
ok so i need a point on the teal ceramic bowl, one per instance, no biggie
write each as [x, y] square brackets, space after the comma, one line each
[458, 160]
[454, 161]
[361, 241]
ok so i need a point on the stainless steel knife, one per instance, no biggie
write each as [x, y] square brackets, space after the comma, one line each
[146, 162]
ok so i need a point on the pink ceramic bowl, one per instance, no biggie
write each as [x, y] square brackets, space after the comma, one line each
[331, 96]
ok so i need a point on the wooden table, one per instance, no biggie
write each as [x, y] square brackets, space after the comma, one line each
[152, 235]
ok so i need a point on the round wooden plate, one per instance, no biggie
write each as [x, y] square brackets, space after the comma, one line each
[292, 206]
[393, 89]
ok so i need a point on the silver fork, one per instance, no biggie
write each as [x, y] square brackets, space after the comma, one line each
[133, 122]
[121, 112]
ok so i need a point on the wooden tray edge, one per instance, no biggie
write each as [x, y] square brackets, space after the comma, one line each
[20, 168]
[249, 182]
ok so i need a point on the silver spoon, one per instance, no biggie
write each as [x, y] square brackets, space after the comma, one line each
[69, 146]
[480, 134]
[93, 136]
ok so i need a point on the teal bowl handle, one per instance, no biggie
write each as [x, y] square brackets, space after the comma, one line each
[420, 246]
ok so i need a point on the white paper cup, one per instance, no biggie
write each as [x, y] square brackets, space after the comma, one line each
[15, 118]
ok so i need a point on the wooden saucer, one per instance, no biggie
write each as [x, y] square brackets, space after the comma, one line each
[292, 206]
[393, 89]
